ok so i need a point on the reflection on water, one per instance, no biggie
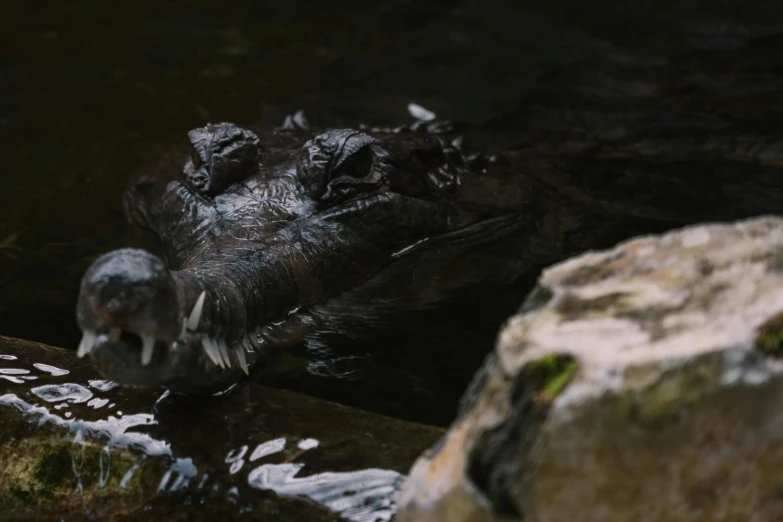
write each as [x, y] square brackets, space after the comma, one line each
[366, 495]
[112, 431]
[13, 371]
[56, 372]
[268, 448]
[93, 419]
[70, 392]
[102, 385]
[307, 444]
[182, 471]
[234, 458]
[14, 375]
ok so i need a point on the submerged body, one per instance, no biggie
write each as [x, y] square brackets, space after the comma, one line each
[269, 239]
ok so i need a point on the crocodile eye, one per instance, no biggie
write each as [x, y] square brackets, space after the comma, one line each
[338, 164]
[195, 159]
[223, 154]
[358, 164]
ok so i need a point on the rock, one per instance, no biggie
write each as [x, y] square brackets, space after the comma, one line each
[76, 447]
[642, 384]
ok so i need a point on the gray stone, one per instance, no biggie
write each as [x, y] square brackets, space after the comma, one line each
[637, 384]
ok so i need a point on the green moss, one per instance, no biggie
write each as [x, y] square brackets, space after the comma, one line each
[773, 260]
[572, 307]
[558, 382]
[67, 461]
[552, 374]
[19, 493]
[669, 391]
[90, 469]
[120, 464]
[769, 338]
[53, 469]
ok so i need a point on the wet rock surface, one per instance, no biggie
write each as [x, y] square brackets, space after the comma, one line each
[640, 383]
[76, 447]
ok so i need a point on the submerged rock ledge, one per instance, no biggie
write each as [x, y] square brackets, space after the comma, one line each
[640, 383]
[76, 447]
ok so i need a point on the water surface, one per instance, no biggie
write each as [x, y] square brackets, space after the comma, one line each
[74, 442]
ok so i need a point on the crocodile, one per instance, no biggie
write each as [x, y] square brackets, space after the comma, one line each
[265, 239]
[269, 238]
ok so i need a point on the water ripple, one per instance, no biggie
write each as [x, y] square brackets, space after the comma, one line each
[113, 430]
[56, 372]
[369, 495]
[101, 385]
[360, 496]
[268, 448]
[70, 392]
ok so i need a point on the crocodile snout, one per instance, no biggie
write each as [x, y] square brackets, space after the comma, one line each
[129, 291]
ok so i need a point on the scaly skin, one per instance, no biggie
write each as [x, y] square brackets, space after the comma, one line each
[279, 236]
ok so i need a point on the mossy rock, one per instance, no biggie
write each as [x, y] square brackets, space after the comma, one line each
[644, 388]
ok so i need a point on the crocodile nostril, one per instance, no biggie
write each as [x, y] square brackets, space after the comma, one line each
[119, 305]
[114, 306]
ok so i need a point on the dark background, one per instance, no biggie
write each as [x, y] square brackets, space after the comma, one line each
[90, 91]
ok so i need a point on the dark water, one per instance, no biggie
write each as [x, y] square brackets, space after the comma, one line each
[91, 92]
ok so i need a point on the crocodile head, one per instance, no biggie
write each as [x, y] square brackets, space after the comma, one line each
[264, 239]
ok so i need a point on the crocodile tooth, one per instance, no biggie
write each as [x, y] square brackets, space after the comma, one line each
[224, 352]
[147, 347]
[114, 334]
[215, 349]
[246, 343]
[260, 333]
[86, 344]
[195, 314]
[211, 349]
[239, 351]
[184, 328]
[253, 338]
